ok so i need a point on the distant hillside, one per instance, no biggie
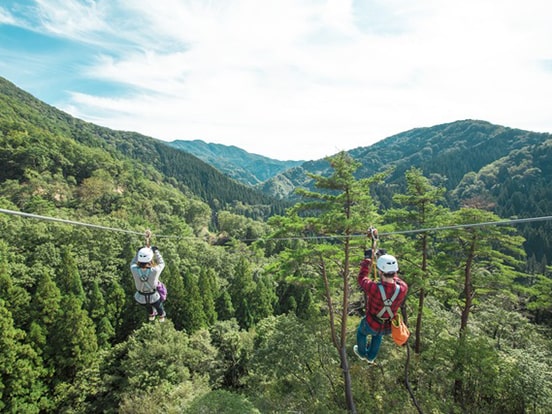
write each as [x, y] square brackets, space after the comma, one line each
[449, 150]
[22, 112]
[503, 169]
[235, 162]
[518, 185]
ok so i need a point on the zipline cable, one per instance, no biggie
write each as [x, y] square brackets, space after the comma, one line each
[482, 224]
[79, 223]
[414, 231]
[320, 237]
[76, 223]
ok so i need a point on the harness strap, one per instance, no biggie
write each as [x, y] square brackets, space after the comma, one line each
[146, 286]
[387, 302]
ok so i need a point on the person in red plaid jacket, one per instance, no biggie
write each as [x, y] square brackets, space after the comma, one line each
[384, 298]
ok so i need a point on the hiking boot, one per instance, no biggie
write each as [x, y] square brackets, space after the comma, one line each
[162, 318]
[361, 357]
[152, 316]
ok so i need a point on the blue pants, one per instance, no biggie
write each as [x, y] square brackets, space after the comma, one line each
[370, 352]
[157, 306]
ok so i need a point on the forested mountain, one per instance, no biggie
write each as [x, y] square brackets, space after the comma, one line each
[241, 165]
[477, 162]
[21, 111]
[448, 150]
[262, 308]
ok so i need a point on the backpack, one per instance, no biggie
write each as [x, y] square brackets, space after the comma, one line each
[162, 289]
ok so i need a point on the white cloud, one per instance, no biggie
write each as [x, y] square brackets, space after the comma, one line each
[6, 17]
[320, 75]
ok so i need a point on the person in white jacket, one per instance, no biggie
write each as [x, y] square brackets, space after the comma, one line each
[146, 272]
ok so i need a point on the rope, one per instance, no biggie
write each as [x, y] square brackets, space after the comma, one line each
[336, 236]
[77, 223]
[95, 226]
[483, 224]
[414, 231]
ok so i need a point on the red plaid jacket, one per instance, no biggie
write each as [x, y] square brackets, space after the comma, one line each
[374, 301]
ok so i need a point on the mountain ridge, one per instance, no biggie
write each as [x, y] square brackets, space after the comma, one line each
[22, 111]
[450, 149]
[235, 162]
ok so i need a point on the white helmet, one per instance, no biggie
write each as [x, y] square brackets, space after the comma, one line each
[145, 255]
[387, 264]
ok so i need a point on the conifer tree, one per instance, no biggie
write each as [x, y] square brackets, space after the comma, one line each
[263, 298]
[95, 302]
[193, 316]
[115, 306]
[420, 210]
[488, 260]
[73, 338]
[18, 296]
[21, 370]
[207, 285]
[342, 208]
[45, 311]
[68, 279]
[242, 288]
[175, 306]
[225, 308]
[97, 310]
[6, 282]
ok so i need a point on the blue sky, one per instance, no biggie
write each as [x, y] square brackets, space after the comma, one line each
[287, 79]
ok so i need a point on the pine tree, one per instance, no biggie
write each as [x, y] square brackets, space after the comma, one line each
[343, 207]
[420, 210]
[488, 259]
[172, 276]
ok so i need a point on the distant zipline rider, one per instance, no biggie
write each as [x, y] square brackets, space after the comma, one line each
[146, 270]
[383, 299]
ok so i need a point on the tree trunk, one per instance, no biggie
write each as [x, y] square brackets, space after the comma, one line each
[418, 340]
[339, 343]
[344, 315]
[347, 381]
[421, 298]
[468, 292]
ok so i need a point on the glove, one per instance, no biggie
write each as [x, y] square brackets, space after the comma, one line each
[367, 254]
[373, 233]
[154, 249]
[381, 252]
